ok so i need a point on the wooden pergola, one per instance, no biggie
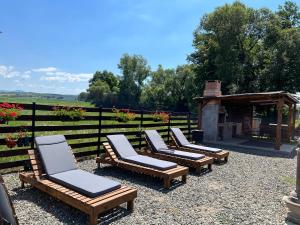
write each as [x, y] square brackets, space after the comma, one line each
[278, 99]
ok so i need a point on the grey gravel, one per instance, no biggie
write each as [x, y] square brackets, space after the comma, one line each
[246, 190]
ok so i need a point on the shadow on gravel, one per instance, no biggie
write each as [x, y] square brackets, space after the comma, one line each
[140, 179]
[61, 211]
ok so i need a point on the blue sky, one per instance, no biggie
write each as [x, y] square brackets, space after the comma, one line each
[54, 46]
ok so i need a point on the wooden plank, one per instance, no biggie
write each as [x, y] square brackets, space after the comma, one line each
[279, 123]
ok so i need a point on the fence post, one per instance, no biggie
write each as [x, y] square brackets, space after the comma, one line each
[33, 124]
[189, 125]
[140, 131]
[99, 130]
[169, 127]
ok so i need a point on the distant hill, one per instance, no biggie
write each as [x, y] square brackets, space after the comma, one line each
[22, 94]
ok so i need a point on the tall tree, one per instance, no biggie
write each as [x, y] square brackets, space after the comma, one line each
[170, 89]
[134, 70]
[103, 89]
[237, 45]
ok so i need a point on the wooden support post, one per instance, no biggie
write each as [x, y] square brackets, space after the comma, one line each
[189, 125]
[99, 130]
[200, 116]
[140, 130]
[130, 205]
[294, 120]
[169, 128]
[33, 125]
[290, 121]
[279, 122]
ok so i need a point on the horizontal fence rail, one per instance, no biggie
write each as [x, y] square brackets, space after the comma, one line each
[87, 135]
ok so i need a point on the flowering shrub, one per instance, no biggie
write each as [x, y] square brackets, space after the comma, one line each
[11, 140]
[161, 116]
[23, 139]
[9, 112]
[124, 115]
[69, 113]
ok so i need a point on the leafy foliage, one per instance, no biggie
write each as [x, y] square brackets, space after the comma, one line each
[124, 115]
[9, 112]
[249, 50]
[135, 70]
[69, 113]
[161, 116]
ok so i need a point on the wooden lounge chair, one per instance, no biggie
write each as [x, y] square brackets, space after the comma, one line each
[181, 142]
[7, 210]
[94, 202]
[120, 153]
[158, 149]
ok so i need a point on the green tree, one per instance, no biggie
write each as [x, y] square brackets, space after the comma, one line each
[107, 77]
[134, 70]
[289, 15]
[82, 96]
[103, 89]
[247, 49]
[283, 45]
[170, 89]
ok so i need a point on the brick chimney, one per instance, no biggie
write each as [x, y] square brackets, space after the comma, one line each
[212, 88]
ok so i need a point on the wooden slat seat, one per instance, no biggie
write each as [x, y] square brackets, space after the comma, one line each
[91, 206]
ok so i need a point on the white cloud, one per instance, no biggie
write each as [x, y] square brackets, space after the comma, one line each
[45, 69]
[65, 76]
[44, 74]
[8, 72]
[54, 74]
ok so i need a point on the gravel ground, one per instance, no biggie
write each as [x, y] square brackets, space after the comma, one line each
[246, 190]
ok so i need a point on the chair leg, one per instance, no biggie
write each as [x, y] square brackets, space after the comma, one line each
[93, 219]
[226, 159]
[22, 184]
[209, 166]
[130, 205]
[167, 183]
[183, 178]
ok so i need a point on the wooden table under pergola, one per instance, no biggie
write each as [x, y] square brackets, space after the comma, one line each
[276, 99]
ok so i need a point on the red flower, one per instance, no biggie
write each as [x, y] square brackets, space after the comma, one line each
[13, 114]
[2, 114]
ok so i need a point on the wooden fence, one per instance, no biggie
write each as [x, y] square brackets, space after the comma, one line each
[87, 135]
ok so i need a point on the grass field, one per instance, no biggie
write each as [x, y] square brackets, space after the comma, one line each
[44, 101]
[51, 123]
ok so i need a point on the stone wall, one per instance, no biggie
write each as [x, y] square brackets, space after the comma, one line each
[210, 117]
